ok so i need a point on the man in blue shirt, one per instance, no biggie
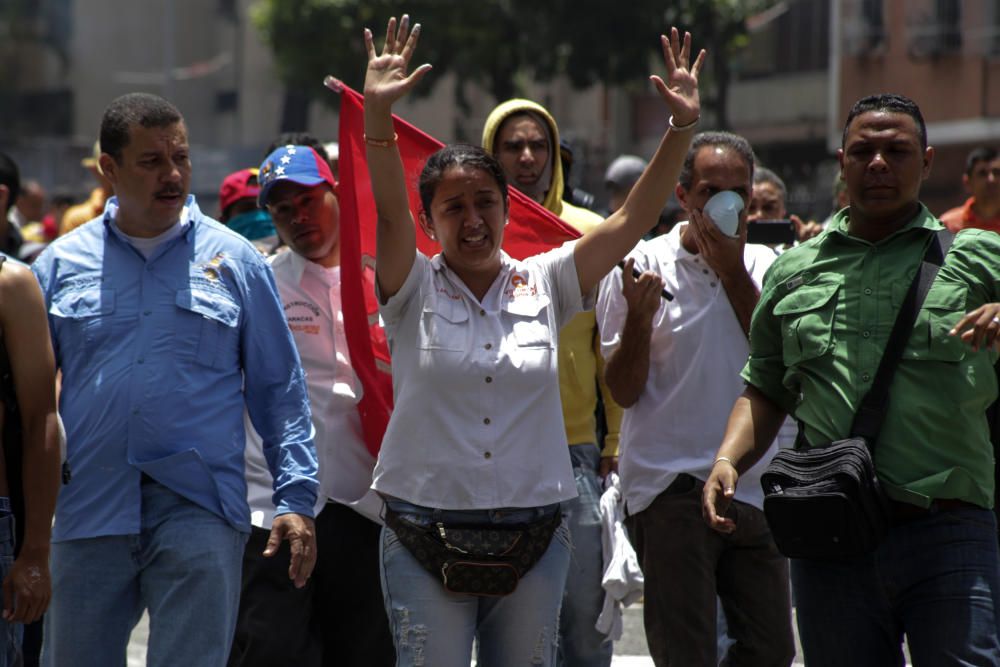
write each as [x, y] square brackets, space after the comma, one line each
[165, 326]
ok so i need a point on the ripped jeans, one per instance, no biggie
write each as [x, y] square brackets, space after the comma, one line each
[432, 627]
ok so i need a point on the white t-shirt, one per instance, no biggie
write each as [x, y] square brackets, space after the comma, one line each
[697, 351]
[477, 422]
[310, 295]
[148, 245]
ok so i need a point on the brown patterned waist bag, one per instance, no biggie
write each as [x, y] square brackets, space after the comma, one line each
[476, 559]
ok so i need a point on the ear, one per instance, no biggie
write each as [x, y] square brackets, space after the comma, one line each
[681, 195]
[427, 224]
[4, 197]
[928, 161]
[966, 185]
[109, 168]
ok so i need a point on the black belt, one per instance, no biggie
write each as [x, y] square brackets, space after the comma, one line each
[681, 484]
[902, 512]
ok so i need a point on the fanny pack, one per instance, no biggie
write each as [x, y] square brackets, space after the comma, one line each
[475, 559]
[825, 502]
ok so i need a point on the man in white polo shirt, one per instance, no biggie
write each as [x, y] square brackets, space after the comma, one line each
[675, 367]
[338, 617]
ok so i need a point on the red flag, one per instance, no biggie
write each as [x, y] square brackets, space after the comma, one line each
[532, 230]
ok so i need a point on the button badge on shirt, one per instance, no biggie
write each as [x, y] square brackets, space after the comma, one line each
[303, 317]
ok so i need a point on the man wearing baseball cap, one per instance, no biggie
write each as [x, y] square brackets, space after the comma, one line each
[313, 624]
[238, 210]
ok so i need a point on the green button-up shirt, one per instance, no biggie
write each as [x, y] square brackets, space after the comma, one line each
[822, 323]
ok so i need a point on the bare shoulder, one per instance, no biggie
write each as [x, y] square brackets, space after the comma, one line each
[18, 286]
[14, 274]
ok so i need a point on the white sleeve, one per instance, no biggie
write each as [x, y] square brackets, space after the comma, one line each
[558, 266]
[394, 306]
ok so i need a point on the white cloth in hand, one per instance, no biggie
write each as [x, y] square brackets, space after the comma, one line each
[622, 580]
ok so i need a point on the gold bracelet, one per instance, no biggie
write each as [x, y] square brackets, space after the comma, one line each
[683, 128]
[726, 459]
[381, 143]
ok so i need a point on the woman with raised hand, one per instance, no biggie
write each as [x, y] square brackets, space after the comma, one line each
[474, 464]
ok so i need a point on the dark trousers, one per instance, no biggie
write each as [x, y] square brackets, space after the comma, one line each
[337, 619]
[935, 579]
[686, 564]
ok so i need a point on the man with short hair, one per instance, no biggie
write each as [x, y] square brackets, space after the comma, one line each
[525, 140]
[165, 326]
[769, 203]
[982, 181]
[817, 337]
[338, 619]
[674, 365]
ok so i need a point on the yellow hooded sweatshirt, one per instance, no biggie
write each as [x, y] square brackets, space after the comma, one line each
[581, 367]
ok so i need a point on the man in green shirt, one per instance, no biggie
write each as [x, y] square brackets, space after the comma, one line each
[817, 336]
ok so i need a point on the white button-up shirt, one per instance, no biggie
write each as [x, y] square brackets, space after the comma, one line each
[697, 351]
[310, 294]
[477, 422]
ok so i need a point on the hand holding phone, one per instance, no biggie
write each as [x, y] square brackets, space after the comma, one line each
[771, 232]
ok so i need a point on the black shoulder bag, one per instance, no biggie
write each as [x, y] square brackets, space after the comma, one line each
[825, 502]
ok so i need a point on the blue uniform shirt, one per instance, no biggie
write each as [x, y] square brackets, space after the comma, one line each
[158, 359]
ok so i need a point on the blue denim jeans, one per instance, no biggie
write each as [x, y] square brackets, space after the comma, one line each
[184, 566]
[580, 644]
[10, 633]
[433, 627]
[934, 579]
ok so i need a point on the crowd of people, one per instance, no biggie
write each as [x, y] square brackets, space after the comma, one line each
[208, 462]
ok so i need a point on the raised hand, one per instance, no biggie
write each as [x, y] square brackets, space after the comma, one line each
[386, 79]
[681, 88]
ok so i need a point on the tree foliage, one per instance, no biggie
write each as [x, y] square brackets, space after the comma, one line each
[500, 43]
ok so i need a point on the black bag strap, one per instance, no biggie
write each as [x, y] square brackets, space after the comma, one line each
[871, 413]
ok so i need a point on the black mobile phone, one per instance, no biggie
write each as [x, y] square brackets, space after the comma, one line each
[771, 232]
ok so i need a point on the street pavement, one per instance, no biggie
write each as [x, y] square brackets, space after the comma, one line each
[630, 651]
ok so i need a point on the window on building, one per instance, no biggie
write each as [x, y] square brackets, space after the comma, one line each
[796, 40]
[863, 29]
[873, 20]
[936, 30]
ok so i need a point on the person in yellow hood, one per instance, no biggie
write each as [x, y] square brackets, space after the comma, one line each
[524, 137]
